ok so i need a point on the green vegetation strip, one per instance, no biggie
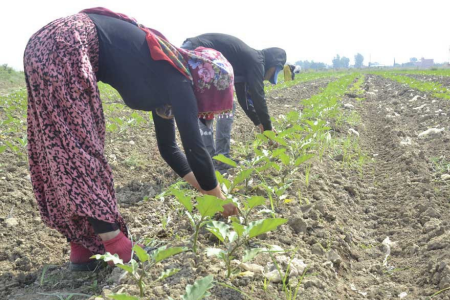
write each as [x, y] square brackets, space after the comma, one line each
[10, 80]
[300, 78]
[434, 88]
[435, 72]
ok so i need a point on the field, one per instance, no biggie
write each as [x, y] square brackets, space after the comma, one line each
[350, 200]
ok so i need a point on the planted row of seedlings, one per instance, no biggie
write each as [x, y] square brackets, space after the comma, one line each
[304, 136]
[14, 113]
[434, 88]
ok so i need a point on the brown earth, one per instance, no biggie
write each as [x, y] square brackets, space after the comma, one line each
[338, 224]
[444, 80]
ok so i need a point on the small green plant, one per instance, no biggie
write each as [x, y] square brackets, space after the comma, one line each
[237, 235]
[207, 206]
[290, 291]
[249, 205]
[198, 290]
[138, 269]
[242, 176]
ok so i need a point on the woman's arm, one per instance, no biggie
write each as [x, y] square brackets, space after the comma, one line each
[171, 153]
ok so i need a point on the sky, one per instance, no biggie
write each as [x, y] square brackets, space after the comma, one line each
[381, 30]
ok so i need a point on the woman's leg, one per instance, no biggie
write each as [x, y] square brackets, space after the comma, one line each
[70, 176]
[223, 133]
[207, 133]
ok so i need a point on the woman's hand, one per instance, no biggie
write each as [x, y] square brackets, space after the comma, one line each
[261, 128]
[230, 210]
[214, 192]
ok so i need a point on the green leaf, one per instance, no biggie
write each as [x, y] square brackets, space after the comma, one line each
[238, 228]
[243, 175]
[167, 273]
[191, 218]
[249, 254]
[280, 141]
[109, 257]
[226, 160]
[276, 166]
[162, 253]
[3, 148]
[141, 253]
[215, 252]
[223, 180]
[255, 201]
[208, 205]
[278, 151]
[281, 190]
[180, 195]
[270, 134]
[265, 167]
[199, 290]
[275, 249]
[303, 158]
[127, 268]
[258, 152]
[232, 236]
[122, 297]
[219, 229]
[262, 226]
[287, 132]
[285, 159]
[261, 137]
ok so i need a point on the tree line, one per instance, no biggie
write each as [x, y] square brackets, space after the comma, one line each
[338, 62]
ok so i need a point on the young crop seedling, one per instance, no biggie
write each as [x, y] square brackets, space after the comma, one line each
[248, 206]
[243, 176]
[198, 290]
[290, 291]
[237, 235]
[207, 206]
[138, 269]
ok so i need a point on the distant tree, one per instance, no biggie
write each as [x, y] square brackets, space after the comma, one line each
[337, 62]
[359, 60]
[413, 59]
[306, 65]
[318, 65]
[345, 62]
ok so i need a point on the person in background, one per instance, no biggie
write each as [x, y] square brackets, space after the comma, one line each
[292, 69]
[251, 67]
[288, 75]
[71, 178]
[289, 72]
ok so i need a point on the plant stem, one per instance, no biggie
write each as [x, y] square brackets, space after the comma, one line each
[141, 287]
[197, 229]
[229, 254]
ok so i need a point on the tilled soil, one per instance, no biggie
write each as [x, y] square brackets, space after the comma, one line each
[444, 80]
[380, 232]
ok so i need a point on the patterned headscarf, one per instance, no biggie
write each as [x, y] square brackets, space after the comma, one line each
[160, 48]
[211, 74]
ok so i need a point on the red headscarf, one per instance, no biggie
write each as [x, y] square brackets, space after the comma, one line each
[160, 48]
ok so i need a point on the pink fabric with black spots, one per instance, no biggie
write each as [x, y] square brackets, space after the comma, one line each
[66, 131]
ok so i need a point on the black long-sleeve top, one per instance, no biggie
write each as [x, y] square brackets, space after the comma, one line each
[249, 64]
[145, 84]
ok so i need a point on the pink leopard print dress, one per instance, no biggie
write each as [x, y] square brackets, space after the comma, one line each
[66, 131]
